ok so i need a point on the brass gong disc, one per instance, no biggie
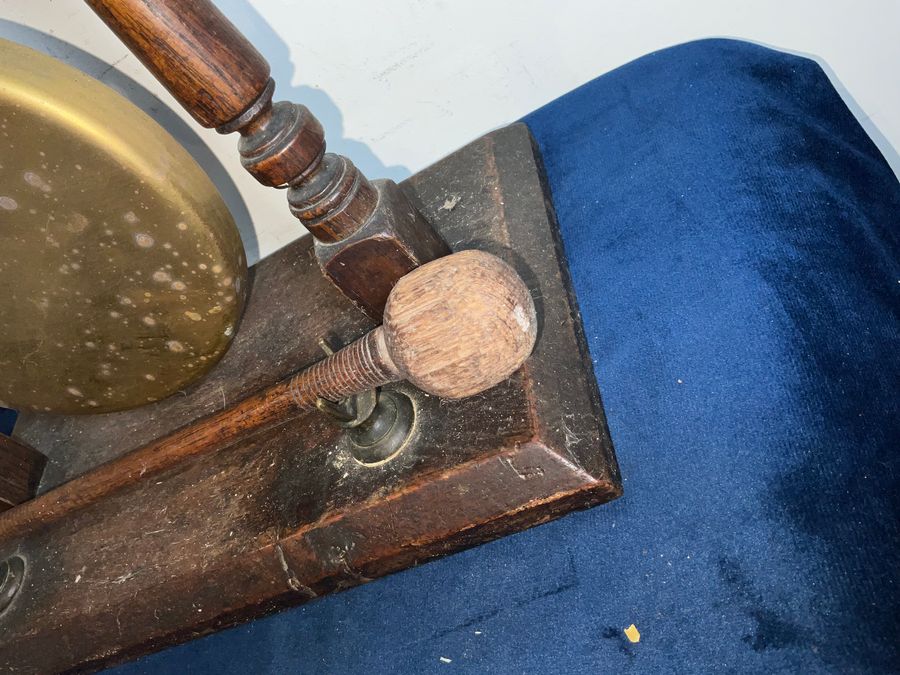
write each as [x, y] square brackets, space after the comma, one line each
[122, 274]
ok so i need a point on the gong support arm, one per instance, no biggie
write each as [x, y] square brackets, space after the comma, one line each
[367, 233]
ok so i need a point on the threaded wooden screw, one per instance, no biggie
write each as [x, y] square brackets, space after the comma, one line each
[453, 327]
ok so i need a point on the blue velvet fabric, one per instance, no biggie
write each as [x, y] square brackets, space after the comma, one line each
[733, 240]
[7, 421]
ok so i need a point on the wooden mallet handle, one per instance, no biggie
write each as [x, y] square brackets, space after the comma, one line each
[454, 327]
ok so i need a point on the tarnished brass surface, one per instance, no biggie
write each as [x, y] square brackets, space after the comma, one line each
[122, 274]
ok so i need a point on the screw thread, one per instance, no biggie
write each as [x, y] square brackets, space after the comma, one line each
[360, 366]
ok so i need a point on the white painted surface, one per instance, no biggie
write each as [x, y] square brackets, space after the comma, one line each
[400, 83]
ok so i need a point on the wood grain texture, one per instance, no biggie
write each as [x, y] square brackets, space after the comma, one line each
[459, 325]
[334, 203]
[271, 407]
[394, 240]
[281, 143]
[194, 51]
[200, 542]
[360, 366]
[454, 327]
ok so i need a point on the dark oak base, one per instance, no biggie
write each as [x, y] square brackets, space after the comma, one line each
[171, 546]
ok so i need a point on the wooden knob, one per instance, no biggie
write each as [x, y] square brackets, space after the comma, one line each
[460, 324]
[454, 327]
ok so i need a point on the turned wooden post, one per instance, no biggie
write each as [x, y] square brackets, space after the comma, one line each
[367, 233]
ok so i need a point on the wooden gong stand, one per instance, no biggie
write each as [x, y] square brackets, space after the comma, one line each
[128, 548]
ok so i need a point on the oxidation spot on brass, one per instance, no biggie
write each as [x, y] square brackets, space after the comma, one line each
[117, 249]
[12, 578]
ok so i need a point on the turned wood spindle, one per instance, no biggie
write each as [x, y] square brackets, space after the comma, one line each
[367, 233]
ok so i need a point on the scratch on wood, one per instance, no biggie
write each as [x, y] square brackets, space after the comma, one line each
[571, 439]
[525, 473]
[339, 556]
[571, 436]
[123, 578]
[292, 581]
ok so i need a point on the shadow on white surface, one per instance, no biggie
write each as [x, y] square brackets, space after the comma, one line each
[262, 36]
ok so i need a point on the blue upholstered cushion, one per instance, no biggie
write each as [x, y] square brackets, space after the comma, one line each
[7, 421]
[733, 239]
